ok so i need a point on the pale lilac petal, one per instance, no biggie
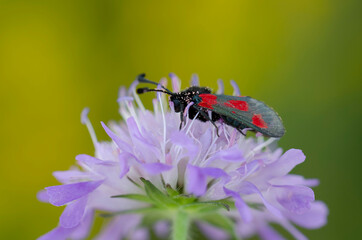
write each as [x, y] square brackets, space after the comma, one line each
[242, 207]
[214, 172]
[146, 146]
[196, 181]
[73, 213]
[91, 161]
[293, 230]
[72, 176]
[292, 179]
[296, 199]
[176, 83]
[84, 228]
[250, 167]
[156, 168]
[212, 232]
[42, 196]
[195, 80]
[281, 167]
[124, 163]
[316, 217]
[197, 178]
[231, 155]
[162, 229]
[181, 139]
[140, 234]
[132, 87]
[121, 144]
[236, 88]
[220, 85]
[287, 162]
[119, 227]
[247, 188]
[122, 92]
[57, 233]
[84, 115]
[62, 194]
[268, 233]
[125, 99]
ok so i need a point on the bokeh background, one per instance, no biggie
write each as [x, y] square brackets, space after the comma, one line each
[56, 57]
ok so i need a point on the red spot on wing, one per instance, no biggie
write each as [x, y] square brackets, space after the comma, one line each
[238, 104]
[259, 121]
[208, 100]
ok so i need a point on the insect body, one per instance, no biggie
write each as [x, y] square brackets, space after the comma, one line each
[238, 112]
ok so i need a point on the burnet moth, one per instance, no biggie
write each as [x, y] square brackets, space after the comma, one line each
[238, 112]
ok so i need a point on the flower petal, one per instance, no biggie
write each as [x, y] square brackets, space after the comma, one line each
[162, 229]
[316, 217]
[73, 213]
[119, 227]
[156, 168]
[286, 162]
[140, 234]
[292, 179]
[242, 207]
[72, 176]
[42, 196]
[279, 168]
[212, 232]
[195, 80]
[57, 233]
[91, 161]
[181, 139]
[232, 154]
[296, 199]
[236, 88]
[196, 181]
[197, 178]
[62, 194]
[175, 81]
[84, 115]
[268, 233]
[247, 188]
[124, 163]
[220, 89]
[83, 229]
[121, 144]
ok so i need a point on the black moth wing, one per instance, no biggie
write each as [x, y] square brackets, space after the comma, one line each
[254, 114]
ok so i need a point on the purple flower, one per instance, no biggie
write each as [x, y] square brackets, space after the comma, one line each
[154, 177]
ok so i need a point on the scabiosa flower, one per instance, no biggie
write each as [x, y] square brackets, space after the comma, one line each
[155, 181]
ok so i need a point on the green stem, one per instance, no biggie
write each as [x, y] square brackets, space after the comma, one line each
[180, 226]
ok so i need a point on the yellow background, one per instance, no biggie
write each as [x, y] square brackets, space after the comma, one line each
[56, 57]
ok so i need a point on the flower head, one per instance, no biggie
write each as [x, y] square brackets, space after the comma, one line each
[154, 178]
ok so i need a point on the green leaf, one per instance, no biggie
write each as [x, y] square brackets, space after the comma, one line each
[184, 199]
[219, 221]
[205, 206]
[150, 219]
[137, 197]
[158, 198]
[180, 226]
[145, 210]
[170, 191]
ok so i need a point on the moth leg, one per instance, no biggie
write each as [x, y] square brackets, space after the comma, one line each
[182, 116]
[240, 131]
[181, 120]
[208, 119]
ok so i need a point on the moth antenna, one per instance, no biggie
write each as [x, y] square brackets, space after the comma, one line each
[141, 78]
[146, 89]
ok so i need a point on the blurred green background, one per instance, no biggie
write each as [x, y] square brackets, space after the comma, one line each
[56, 57]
